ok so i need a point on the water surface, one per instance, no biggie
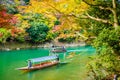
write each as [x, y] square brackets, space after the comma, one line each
[74, 70]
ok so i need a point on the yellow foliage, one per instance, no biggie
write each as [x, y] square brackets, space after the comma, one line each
[25, 24]
[19, 16]
[66, 35]
[53, 8]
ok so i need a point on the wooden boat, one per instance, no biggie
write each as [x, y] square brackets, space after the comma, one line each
[59, 49]
[45, 62]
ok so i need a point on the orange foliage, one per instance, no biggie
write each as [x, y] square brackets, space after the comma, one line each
[6, 20]
[56, 28]
[15, 31]
[1, 34]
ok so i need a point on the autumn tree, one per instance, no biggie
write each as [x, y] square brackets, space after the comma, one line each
[103, 19]
[60, 12]
[5, 24]
[105, 12]
[8, 26]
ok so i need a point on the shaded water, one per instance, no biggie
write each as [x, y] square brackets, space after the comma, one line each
[74, 70]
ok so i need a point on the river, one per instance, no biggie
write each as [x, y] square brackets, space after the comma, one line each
[74, 70]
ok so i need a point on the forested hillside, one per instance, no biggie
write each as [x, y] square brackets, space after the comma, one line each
[95, 22]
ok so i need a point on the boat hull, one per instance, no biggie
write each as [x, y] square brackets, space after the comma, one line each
[38, 66]
[58, 51]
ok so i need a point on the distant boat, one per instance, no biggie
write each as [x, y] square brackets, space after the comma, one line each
[58, 49]
[46, 61]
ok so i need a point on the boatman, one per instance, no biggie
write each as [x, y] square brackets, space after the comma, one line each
[29, 64]
[57, 57]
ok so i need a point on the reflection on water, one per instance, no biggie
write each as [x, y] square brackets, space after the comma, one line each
[71, 68]
[29, 76]
[32, 74]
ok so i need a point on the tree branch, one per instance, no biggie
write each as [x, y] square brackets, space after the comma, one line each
[54, 8]
[89, 3]
[106, 8]
[112, 9]
[98, 19]
[114, 3]
[99, 6]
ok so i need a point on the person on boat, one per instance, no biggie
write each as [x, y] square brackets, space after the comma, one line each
[53, 46]
[63, 48]
[29, 64]
[57, 58]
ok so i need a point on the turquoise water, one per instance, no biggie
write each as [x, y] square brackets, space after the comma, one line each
[74, 70]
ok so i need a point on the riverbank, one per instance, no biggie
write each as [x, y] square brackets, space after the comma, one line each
[26, 45]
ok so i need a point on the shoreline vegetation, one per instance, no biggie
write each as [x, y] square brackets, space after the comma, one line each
[18, 46]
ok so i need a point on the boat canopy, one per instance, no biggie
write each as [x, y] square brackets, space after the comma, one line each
[43, 58]
[58, 49]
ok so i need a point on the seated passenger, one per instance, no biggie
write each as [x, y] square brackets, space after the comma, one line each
[29, 64]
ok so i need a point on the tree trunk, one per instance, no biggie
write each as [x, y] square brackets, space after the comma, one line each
[115, 24]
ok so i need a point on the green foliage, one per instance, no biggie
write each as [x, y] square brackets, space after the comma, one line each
[68, 39]
[10, 6]
[20, 37]
[12, 9]
[38, 29]
[4, 34]
[26, 1]
[105, 63]
[56, 34]
[94, 26]
[38, 32]
[110, 38]
[50, 36]
[57, 22]
[35, 18]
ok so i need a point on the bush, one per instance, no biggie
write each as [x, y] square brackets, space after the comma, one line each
[38, 32]
[38, 29]
[68, 39]
[105, 63]
[57, 22]
[4, 34]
